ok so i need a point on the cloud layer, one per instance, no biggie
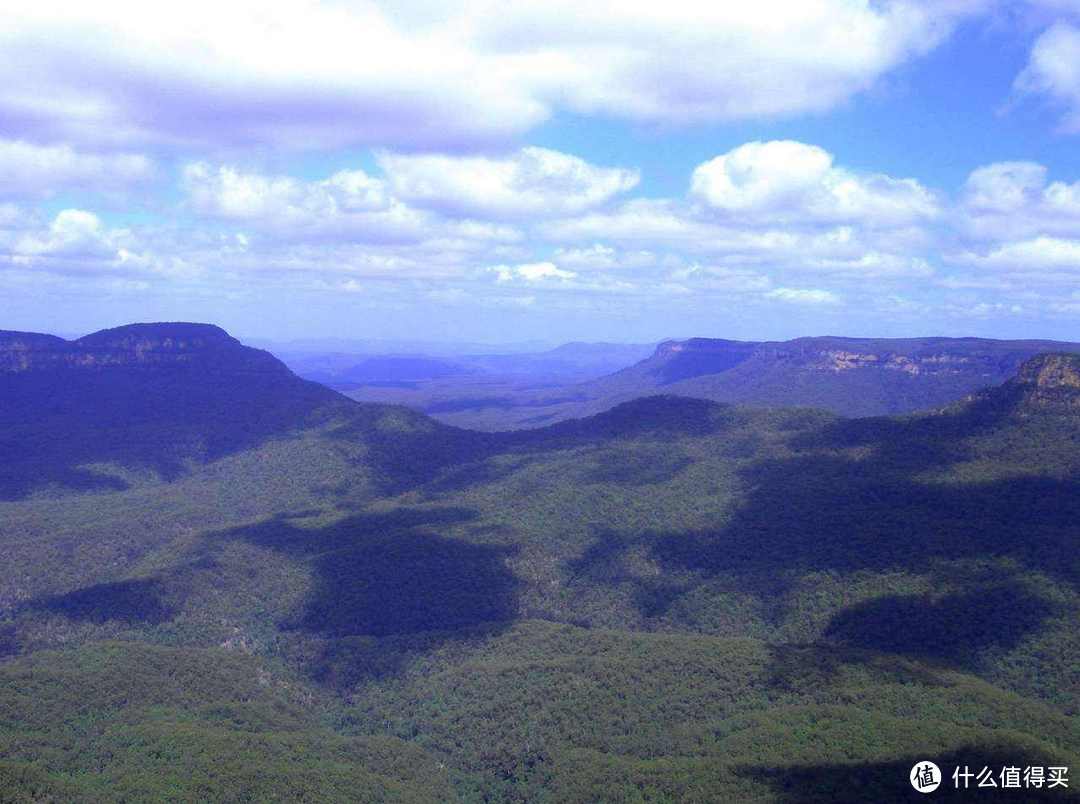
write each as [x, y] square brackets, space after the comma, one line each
[303, 74]
[380, 152]
[766, 224]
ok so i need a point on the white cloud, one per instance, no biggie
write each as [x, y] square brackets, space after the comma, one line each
[984, 310]
[811, 296]
[784, 179]
[1053, 70]
[762, 224]
[78, 243]
[433, 75]
[229, 193]
[638, 221]
[804, 245]
[533, 182]
[1010, 200]
[531, 272]
[72, 233]
[349, 206]
[1041, 255]
[683, 60]
[27, 169]
[596, 256]
[1004, 186]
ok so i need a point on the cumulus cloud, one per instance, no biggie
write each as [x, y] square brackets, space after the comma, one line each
[227, 192]
[764, 223]
[534, 182]
[790, 180]
[30, 170]
[72, 233]
[531, 272]
[78, 243]
[432, 75]
[806, 246]
[1053, 71]
[349, 206]
[1009, 200]
[1042, 256]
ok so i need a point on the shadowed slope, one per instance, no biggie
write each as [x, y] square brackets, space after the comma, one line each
[160, 397]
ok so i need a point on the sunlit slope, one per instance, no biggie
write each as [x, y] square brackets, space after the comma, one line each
[130, 722]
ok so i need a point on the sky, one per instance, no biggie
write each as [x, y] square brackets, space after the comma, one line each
[509, 171]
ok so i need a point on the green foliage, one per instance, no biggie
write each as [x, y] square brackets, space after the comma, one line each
[672, 601]
[127, 722]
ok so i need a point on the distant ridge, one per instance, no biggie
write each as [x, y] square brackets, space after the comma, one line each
[155, 396]
[848, 376]
[202, 346]
[676, 361]
[852, 377]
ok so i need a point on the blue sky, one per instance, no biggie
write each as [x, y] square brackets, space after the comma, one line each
[515, 171]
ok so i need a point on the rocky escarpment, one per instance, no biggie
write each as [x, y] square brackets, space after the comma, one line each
[848, 376]
[986, 361]
[993, 360]
[168, 345]
[1049, 381]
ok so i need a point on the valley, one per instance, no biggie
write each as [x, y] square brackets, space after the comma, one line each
[222, 578]
[848, 376]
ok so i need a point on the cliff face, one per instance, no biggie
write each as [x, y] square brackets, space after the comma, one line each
[988, 361]
[193, 346]
[679, 360]
[912, 356]
[23, 351]
[1050, 381]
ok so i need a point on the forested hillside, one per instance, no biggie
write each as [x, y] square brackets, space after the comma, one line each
[290, 595]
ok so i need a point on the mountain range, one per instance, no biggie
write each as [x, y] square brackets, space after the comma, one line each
[223, 582]
[571, 362]
[848, 376]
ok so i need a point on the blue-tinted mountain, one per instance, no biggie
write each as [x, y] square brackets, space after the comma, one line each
[485, 375]
[846, 376]
[159, 398]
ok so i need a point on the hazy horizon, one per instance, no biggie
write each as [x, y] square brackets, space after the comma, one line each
[434, 346]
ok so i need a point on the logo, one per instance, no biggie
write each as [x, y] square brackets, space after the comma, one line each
[925, 776]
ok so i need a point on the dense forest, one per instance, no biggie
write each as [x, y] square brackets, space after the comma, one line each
[222, 582]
